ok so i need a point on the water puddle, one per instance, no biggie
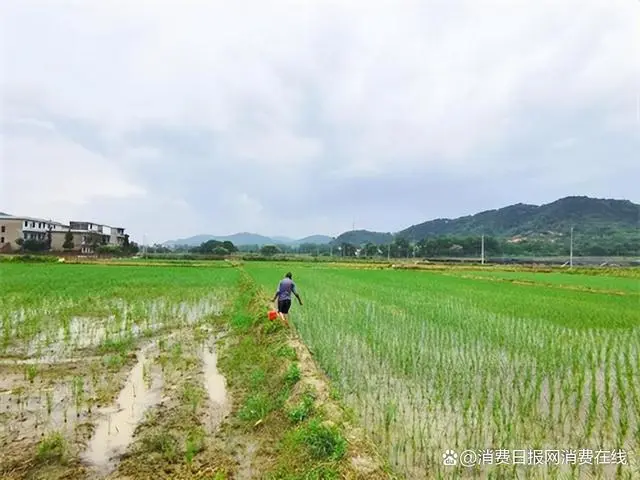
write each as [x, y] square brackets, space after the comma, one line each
[114, 432]
[31, 411]
[215, 385]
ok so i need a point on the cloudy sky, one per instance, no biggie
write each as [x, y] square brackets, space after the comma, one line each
[174, 118]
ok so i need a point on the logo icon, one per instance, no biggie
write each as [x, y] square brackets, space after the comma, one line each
[450, 457]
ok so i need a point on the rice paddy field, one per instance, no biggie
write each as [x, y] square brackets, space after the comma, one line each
[455, 373]
[90, 352]
[522, 375]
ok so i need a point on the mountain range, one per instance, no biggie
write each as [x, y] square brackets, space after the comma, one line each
[589, 216]
[246, 238]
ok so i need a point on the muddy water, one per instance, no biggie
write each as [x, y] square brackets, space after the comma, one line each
[115, 431]
[45, 360]
[29, 411]
[215, 385]
[62, 337]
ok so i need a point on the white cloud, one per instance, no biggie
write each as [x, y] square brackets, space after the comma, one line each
[46, 175]
[564, 143]
[305, 90]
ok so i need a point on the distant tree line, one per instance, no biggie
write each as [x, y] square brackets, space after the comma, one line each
[433, 247]
[210, 247]
[215, 247]
[464, 246]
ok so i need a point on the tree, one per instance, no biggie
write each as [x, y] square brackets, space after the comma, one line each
[370, 250]
[109, 249]
[229, 246]
[215, 247]
[94, 240]
[347, 250]
[49, 239]
[34, 246]
[68, 241]
[269, 250]
[132, 249]
[208, 247]
[402, 247]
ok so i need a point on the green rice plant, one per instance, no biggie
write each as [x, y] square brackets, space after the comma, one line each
[193, 395]
[78, 392]
[464, 357]
[49, 399]
[31, 373]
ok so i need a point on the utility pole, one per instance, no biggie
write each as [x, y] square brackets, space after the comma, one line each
[482, 249]
[571, 249]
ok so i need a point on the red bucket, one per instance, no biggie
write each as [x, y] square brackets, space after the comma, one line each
[273, 315]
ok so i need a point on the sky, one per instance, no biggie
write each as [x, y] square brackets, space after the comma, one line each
[294, 118]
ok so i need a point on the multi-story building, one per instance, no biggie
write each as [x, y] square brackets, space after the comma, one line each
[14, 230]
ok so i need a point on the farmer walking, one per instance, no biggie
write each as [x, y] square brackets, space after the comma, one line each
[283, 294]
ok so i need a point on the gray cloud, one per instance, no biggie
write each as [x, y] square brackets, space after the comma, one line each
[176, 119]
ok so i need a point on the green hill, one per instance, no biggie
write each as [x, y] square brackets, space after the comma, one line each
[315, 239]
[591, 216]
[237, 239]
[359, 237]
[247, 239]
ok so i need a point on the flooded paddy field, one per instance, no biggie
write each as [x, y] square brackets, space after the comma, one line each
[90, 355]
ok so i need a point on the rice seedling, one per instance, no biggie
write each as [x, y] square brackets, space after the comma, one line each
[31, 373]
[431, 362]
[85, 322]
[78, 393]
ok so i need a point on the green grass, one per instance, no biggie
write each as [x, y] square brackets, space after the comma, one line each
[433, 361]
[323, 442]
[303, 409]
[52, 448]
